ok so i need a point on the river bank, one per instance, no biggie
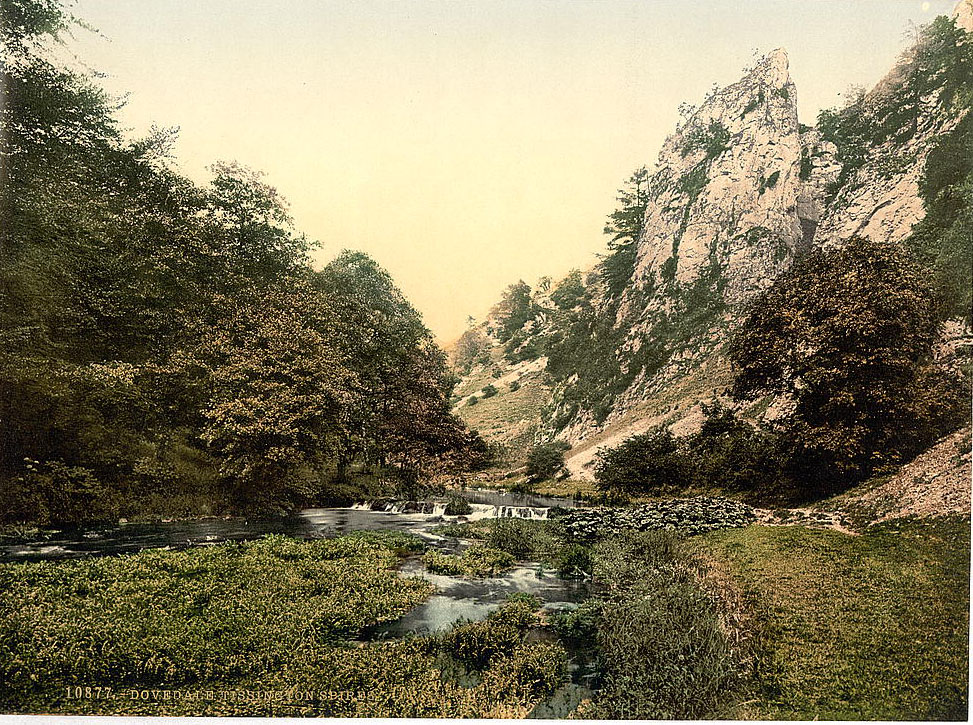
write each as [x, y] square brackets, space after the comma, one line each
[800, 621]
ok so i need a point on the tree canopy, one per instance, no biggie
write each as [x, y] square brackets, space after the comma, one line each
[166, 341]
[848, 336]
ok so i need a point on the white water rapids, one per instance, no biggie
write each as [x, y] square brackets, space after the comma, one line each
[436, 509]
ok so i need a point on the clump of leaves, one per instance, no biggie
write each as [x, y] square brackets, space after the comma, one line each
[476, 561]
[652, 462]
[477, 644]
[545, 460]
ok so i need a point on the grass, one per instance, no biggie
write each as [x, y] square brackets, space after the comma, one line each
[855, 627]
[509, 417]
[663, 650]
[262, 628]
[579, 489]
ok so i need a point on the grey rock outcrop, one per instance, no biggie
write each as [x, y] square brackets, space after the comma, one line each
[731, 193]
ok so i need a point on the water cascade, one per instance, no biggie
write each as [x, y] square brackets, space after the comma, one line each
[438, 509]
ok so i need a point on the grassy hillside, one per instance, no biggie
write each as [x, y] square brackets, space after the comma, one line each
[855, 627]
[512, 416]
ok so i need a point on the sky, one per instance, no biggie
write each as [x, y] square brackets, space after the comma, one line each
[464, 145]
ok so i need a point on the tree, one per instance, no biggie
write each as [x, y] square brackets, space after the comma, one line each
[653, 462]
[848, 335]
[545, 460]
[277, 409]
[624, 228]
[472, 348]
[569, 292]
[145, 320]
[513, 310]
[399, 411]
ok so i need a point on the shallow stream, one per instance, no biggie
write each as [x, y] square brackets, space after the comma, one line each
[455, 598]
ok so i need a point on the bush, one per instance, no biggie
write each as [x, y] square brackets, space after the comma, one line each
[579, 625]
[731, 454]
[713, 140]
[654, 462]
[54, 493]
[458, 506]
[489, 391]
[476, 644]
[531, 671]
[514, 386]
[514, 536]
[573, 562]
[570, 291]
[476, 561]
[473, 400]
[546, 460]
[664, 653]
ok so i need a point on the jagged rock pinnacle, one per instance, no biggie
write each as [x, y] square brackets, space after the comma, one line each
[724, 196]
[963, 14]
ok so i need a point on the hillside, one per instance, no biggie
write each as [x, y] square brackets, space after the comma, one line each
[740, 190]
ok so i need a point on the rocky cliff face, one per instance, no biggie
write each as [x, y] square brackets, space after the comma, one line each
[881, 199]
[737, 190]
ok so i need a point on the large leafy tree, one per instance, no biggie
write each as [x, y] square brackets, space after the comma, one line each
[848, 335]
[279, 393]
[157, 335]
[399, 410]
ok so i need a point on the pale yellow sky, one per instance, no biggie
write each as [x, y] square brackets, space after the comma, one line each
[464, 145]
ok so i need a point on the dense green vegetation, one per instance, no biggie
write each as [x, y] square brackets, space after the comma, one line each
[166, 344]
[476, 561]
[854, 627]
[545, 460]
[932, 77]
[770, 622]
[271, 615]
[659, 644]
[848, 336]
[727, 454]
[941, 240]
[663, 648]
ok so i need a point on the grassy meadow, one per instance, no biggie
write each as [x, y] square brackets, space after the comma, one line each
[873, 626]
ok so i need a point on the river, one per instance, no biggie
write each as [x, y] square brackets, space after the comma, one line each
[454, 600]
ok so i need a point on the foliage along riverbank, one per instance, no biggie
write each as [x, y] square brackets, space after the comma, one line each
[275, 615]
[168, 347]
[782, 622]
[754, 621]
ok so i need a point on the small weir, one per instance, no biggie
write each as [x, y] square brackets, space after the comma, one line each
[417, 517]
[438, 510]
